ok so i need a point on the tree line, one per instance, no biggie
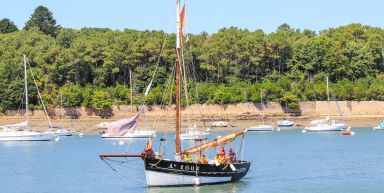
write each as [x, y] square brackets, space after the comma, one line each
[90, 66]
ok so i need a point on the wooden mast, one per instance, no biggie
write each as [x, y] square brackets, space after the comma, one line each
[130, 88]
[178, 48]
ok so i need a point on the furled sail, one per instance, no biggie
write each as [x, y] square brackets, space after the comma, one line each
[121, 127]
[220, 141]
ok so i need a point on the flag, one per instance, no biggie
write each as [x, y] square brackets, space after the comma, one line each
[183, 20]
[148, 87]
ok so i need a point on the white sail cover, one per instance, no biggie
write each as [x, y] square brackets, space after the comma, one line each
[121, 127]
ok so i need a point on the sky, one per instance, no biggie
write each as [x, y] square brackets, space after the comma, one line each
[202, 15]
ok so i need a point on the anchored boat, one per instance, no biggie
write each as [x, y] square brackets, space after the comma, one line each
[21, 131]
[262, 127]
[326, 125]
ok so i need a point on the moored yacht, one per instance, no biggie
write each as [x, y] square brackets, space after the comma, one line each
[21, 131]
[262, 127]
[327, 124]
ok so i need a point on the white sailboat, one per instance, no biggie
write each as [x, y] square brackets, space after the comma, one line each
[21, 131]
[193, 133]
[380, 126]
[59, 130]
[325, 125]
[262, 127]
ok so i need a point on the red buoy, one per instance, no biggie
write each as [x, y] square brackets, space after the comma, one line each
[347, 133]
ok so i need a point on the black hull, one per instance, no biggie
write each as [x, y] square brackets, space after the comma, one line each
[183, 174]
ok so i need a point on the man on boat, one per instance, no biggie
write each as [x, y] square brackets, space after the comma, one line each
[222, 151]
[187, 158]
[232, 155]
[204, 160]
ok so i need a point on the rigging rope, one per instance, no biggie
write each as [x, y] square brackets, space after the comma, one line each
[38, 92]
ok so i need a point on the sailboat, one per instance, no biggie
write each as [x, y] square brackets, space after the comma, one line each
[176, 171]
[262, 127]
[194, 134]
[380, 126]
[60, 131]
[327, 124]
[21, 131]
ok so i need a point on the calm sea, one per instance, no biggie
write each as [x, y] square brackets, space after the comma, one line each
[283, 162]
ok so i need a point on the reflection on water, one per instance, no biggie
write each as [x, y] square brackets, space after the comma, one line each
[219, 188]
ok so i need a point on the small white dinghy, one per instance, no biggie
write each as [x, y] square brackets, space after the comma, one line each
[219, 124]
[285, 123]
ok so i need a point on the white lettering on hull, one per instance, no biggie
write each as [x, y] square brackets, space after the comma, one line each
[170, 179]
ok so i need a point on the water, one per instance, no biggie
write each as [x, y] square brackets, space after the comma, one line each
[286, 161]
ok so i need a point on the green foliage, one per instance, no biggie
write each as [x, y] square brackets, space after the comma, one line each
[91, 66]
[87, 96]
[42, 20]
[7, 26]
[291, 100]
[102, 100]
[72, 95]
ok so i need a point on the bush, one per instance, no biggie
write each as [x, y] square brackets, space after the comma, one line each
[72, 95]
[290, 100]
[102, 100]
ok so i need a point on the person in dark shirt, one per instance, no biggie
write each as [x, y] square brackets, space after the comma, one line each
[232, 155]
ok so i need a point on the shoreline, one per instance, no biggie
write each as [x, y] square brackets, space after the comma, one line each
[86, 125]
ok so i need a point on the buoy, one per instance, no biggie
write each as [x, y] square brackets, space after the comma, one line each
[278, 129]
[57, 139]
[303, 131]
[121, 142]
[345, 133]
[81, 134]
